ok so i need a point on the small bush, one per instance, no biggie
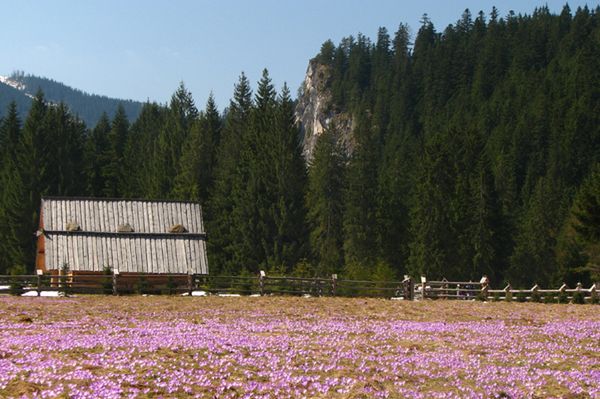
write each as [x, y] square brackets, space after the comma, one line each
[142, 286]
[549, 298]
[170, 289]
[304, 269]
[578, 298]
[563, 297]
[276, 286]
[382, 274]
[353, 271]
[536, 297]
[496, 297]
[65, 284]
[595, 300]
[482, 296]
[16, 284]
[250, 284]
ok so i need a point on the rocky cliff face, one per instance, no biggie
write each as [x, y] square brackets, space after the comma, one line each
[315, 111]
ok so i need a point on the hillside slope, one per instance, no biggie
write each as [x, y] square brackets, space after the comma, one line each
[89, 107]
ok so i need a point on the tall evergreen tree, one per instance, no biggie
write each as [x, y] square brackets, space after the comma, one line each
[143, 160]
[252, 194]
[325, 203]
[10, 130]
[288, 167]
[113, 171]
[180, 118]
[96, 151]
[586, 210]
[35, 161]
[196, 175]
[12, 216]
[68, 135]
[360, 218]
[224, 234]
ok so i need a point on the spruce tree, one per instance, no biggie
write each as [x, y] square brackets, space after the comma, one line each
[34, 164]
[96, 151]
[11, 193]
[196, 175]
[180, 118]
[143, 160]
[431, 225]
[68, 134]
[113, 171]
[219, 212]
[252, 193]
[10, 130]
[360, 218]
[586, 209]
[16, 245]
[324, 201]
[288, 167]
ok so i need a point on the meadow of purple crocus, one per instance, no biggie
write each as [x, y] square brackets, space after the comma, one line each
[150, 347]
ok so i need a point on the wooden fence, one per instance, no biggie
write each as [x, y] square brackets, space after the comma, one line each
[176, 284]
[481, 290]
[173, 284]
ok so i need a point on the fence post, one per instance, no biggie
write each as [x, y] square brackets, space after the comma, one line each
[445, 286]
[485, 286]
[423, 287]
[39, 273]
[507, 293]
[261, 282]
[333, 284]
[408, 288]
[114, 281]
[561, 290]
[593, 293]
[534, 294]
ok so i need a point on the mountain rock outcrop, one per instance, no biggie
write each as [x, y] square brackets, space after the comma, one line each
[315, 111]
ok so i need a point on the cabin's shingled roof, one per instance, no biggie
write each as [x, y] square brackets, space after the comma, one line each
[150, 248]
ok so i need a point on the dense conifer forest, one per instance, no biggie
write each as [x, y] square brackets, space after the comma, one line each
[476, 150]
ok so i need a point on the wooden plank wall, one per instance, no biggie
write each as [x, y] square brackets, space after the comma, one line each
[128, 254]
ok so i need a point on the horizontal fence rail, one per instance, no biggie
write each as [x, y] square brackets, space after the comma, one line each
[114, 283]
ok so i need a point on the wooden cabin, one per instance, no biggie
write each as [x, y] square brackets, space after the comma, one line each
[131, 236]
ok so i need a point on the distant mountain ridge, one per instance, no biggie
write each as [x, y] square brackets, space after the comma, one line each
[21, 88]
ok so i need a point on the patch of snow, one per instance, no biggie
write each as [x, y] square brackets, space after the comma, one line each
[254, 295]
[199, 293]
[4, 287]
[229, 295]
[397, 298]
[44, 293]
[13, 83]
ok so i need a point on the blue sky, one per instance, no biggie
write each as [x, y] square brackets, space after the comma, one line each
[143, 49]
